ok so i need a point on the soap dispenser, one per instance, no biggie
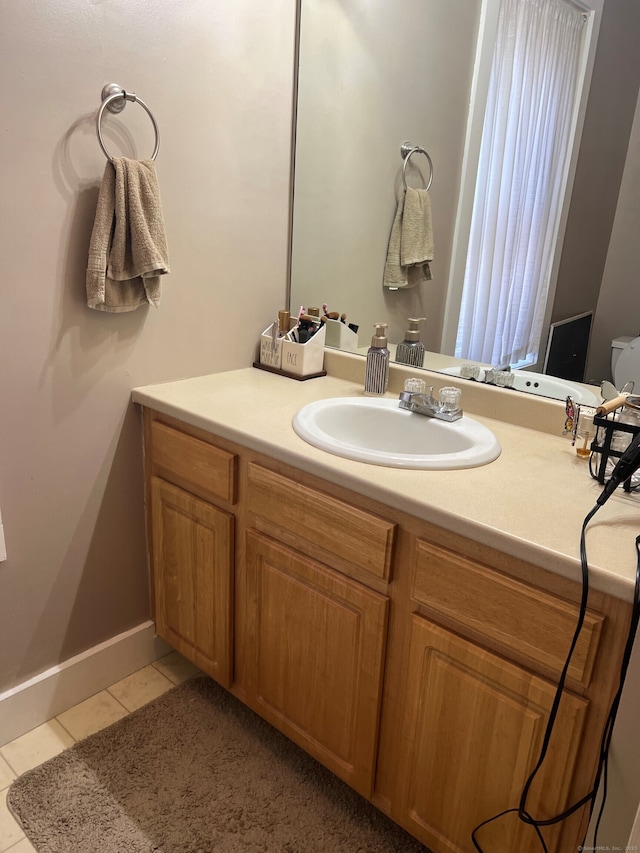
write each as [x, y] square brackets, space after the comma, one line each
[411, 349]
[376, 371]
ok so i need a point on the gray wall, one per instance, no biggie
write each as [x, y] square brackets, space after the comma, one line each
[601, 163]
[218, 78]
[618, 311]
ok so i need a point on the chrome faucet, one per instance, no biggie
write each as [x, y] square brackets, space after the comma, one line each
[418, 398]
[498, 375]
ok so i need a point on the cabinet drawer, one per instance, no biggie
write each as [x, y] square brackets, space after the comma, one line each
[520, 618]
[187, 460]
[328, 524]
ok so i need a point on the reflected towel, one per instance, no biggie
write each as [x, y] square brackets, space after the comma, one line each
[410, 249]
[128, 247]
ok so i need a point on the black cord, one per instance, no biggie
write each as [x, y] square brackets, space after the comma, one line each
[602, 770]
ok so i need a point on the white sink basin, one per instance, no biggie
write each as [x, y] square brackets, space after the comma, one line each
[376, 430]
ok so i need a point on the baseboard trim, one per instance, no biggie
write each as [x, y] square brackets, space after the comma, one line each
[49, 693]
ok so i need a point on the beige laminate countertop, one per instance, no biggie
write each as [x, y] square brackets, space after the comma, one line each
[529, 503]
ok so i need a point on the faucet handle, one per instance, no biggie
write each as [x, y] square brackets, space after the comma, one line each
[502, 378]
[450, 398]
[415, 385]
[470, 371]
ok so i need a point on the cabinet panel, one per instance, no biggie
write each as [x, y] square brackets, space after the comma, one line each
[315, 657]
[359, 537]
[192, 461]
[192, 565]
[472, 733]
[526, 620]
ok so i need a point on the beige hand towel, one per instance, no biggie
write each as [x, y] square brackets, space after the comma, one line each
[395, 275]
[128, 247]
[410, 249]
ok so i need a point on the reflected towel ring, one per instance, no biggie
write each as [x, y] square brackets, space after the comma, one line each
[114, 98]
[406, 150]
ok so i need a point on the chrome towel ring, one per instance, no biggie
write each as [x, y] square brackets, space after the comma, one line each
[114, 99]
[406, 150]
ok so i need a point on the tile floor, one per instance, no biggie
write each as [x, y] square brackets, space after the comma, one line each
[84, 719]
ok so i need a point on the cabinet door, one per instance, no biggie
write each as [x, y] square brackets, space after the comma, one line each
[192, 573]
[315, 651]
[472, 733]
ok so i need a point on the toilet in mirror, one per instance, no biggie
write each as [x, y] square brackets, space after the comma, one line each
[625, 361]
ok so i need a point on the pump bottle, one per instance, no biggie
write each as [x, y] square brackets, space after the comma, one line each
[411, 350]
[376, 372]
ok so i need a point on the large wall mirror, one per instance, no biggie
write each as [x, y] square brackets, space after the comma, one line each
[373, 75]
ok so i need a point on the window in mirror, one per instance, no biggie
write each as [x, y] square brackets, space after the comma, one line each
[539, 51]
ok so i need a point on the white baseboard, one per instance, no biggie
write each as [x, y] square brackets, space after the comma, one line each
[42, 697]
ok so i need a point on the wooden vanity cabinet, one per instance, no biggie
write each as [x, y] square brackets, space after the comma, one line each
[315, 643]
[472, 732]
[303, 573]
[484, 653]
[191, 545]
[418, 666]
[313, 583]
[192, 577]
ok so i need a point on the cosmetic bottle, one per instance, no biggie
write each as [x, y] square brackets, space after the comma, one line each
[376, 371]
[411, 350]
[284, 322]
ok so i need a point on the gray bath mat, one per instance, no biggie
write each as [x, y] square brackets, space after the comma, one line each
[195, 771]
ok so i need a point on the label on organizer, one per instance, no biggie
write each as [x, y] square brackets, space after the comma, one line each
[270, 350]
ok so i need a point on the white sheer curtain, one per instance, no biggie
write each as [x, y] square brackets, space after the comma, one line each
[523, 156]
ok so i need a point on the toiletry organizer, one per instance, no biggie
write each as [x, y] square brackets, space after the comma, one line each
[298, 361]
[340, 336]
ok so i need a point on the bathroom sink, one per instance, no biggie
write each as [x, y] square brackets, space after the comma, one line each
[376, 430]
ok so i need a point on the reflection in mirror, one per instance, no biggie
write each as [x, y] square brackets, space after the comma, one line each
[372, 75]
[528, 117]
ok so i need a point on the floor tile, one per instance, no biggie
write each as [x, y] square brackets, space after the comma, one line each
[10, 832]
[36, 746]
[24, 846]
[6, 774]
[176, 668]
[141, 687]
[93, 714]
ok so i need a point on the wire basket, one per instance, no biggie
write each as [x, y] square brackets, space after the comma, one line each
[601, 446]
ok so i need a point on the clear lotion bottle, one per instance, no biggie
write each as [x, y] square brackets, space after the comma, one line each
[376, 372]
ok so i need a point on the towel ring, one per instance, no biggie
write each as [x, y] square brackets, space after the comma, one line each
[114, 99]
[406, 150]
